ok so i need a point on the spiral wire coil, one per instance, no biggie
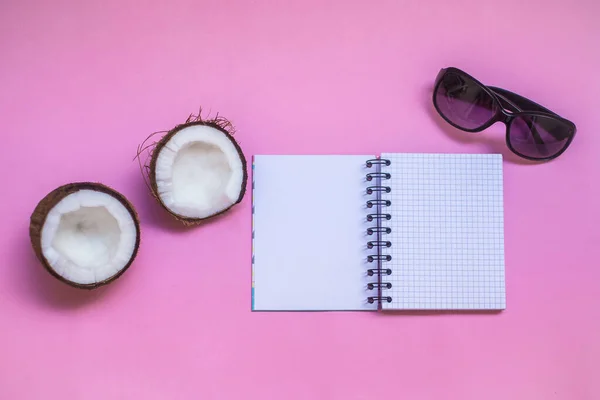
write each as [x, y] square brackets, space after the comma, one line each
[379, 243]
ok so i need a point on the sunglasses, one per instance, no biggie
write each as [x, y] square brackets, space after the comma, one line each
[532, 131]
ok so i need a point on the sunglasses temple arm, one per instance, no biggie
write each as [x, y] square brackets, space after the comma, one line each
[519, 101]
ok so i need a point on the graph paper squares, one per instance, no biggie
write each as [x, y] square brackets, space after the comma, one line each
[447, 232]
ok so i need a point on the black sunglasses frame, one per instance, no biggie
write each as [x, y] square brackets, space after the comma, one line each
[509, 106]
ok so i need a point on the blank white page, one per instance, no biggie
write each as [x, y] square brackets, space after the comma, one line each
[309, 233]
[447, 232]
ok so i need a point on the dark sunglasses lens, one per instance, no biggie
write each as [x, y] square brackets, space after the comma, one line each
[539, 137]
[464, 102]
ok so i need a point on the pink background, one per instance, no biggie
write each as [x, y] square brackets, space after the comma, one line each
[84, 82]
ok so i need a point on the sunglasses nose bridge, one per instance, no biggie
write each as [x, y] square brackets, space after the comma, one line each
[506, 116]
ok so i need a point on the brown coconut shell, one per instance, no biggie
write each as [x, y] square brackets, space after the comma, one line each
[38, 218]
[222, 125]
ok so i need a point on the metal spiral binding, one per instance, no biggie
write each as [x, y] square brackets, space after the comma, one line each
[378, 242]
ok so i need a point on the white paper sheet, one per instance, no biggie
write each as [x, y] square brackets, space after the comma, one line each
[309, 241]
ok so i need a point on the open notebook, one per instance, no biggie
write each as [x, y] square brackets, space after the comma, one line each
[360, 232]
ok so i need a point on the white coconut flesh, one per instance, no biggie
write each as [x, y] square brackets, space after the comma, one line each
[199, 172]
[88, 237]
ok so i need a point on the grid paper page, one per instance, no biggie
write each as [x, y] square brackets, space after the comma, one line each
[447, 232]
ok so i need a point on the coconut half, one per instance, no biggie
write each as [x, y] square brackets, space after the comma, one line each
[85, 234]
[197, 171]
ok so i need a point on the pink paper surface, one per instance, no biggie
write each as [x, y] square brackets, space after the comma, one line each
[82, 83]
